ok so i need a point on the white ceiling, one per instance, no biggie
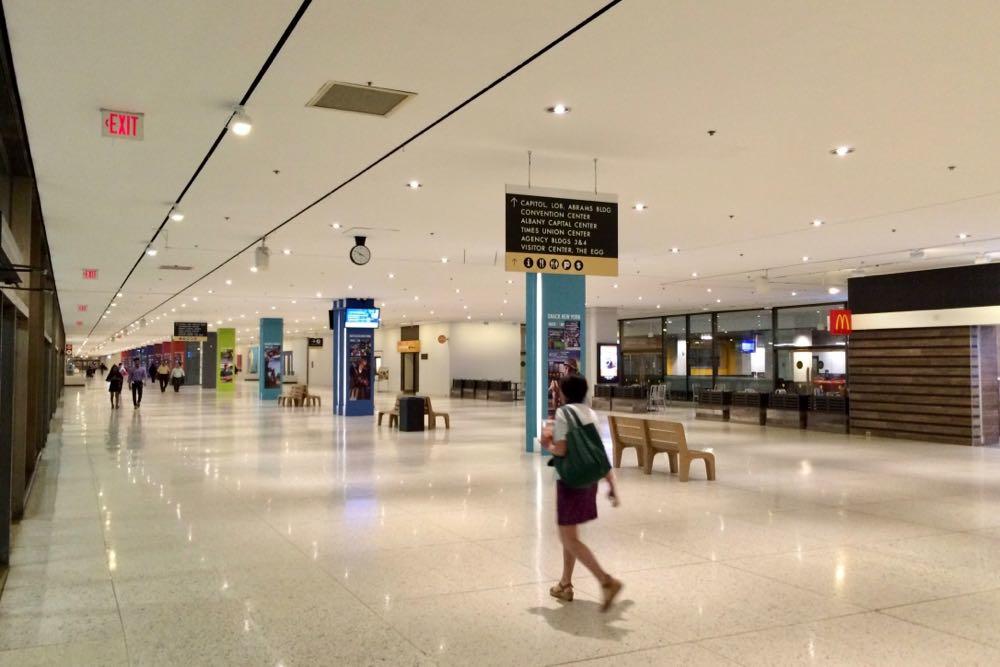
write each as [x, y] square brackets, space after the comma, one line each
[781, 83]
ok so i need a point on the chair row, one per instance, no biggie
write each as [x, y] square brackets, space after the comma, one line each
[298, 396]
[650, 437]
[491, 390]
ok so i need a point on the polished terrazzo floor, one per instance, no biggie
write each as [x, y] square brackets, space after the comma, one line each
[203, 530]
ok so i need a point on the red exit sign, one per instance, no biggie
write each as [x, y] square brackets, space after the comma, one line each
[121, 124]
[81, 307]
[90, 274]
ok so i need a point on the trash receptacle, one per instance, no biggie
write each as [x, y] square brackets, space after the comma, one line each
[411, 413]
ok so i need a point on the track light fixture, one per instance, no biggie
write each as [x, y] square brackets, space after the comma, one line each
[240, 123]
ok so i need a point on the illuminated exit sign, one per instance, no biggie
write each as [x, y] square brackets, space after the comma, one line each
[121, 124]
[90, 274]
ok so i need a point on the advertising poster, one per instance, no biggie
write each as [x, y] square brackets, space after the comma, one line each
[563, 353]
[359, 360]
[272, 365]
[226, 380]
[253, 361]
[607, 363]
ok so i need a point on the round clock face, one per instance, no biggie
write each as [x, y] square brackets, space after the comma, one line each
[360, 255]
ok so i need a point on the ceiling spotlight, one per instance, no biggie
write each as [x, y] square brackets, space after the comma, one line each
[657, 306]
[675, 250]
[841, 151]
[805, 258]
[286, 251]
[194, 298]
[240, 123]
[253, 269]
[319, 295]
[558, 109]
[817, 223]
[795, 293]
[694, 274]
[615, 285]
[119, 295]
[639, 206]
[350, 287]
[444, 260]
[391, 276]
[414, 185]
[416, 298]
[833, 290]
[175, 214]
[382, 305]
[510, 281]
[211, 291]
[962, 236]
[229, 281]
[151, 252]
[335, 225]
[709, 290]
[718, 300]
[468, 317]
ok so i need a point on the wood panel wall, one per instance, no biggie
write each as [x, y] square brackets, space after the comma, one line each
[920, 384]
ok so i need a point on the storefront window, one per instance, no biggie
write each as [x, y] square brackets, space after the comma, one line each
[700, 351]
[642, 353]
[743, 345]
[810, 358]
[675, 353]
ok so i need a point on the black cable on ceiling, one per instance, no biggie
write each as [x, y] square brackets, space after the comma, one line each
[211, 151]
[496, 82]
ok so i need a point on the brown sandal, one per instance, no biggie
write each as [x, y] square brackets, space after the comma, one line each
[561, 592]
[611, 591]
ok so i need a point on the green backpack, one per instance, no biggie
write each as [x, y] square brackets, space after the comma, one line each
[586, 460]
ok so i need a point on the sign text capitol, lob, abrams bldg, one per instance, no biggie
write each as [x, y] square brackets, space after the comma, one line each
[561, 231]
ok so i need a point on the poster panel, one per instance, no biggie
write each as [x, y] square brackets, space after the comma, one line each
[272, 367]
[226, 360]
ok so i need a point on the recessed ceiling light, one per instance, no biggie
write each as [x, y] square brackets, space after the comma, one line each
[468, 317]
[240, 123]
[841, 151]
[414, 185]
[382, 304]
[675, 250]
[432, 312]
[505, 300]
[350, 287]
[639, 206]
[833, 290]
[391, 276]
[558, 109]
[795, 293]
[615, 285]
[817, 222]
[335, 225]
[151, 252]
[194, 298]
[657, 306]
[718, 300]
[510, 281]
[253, 269]
[286, 251]
[640, 298]
[444, 260]
[709, 290]
[458, 291]
[229, 281]
[274, 307]
[465, 307]
[694, 274]
[963, 236]
[416, 298]
[211, 291]
[805, 258]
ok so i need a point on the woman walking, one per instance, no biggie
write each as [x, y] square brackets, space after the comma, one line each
[577, 505]
[115, 382]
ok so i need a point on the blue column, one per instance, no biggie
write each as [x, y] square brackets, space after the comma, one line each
[271, 362]
[555, 315]
[353, 361]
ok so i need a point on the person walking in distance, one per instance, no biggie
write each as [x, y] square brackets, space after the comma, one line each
[163, 375]
[577, 505]
[115, 381]
[152, 371]
[177, 377]
[136, 379]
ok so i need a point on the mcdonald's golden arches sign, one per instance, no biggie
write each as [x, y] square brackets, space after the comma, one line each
[840, 322]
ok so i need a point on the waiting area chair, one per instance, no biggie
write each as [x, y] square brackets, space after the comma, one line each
[432, 416]
[393, 415]
[650, 437]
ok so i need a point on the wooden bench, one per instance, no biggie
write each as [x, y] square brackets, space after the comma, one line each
[294, 398]
[653, 436]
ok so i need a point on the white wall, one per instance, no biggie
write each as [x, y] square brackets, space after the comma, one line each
[485, 351]
[473, 350]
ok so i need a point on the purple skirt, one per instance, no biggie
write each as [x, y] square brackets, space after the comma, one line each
[575, 506]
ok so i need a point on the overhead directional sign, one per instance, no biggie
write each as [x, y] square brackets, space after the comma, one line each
[561, 231]
[191, 332]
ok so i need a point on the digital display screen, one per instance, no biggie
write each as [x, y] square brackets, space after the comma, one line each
[748, 346]
[607, 363]
[362, 318]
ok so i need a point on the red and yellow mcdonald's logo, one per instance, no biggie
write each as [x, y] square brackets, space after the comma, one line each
[840, 322]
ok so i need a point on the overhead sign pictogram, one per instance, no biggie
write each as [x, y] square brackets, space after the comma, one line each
[561, 231]
[840, 322]
[121, 124]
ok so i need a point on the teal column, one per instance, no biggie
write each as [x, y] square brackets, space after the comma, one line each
[555, 314]
[271, 360]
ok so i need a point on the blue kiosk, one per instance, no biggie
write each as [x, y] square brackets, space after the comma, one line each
[353, 322]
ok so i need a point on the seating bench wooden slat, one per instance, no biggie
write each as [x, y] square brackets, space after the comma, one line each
[650, 437]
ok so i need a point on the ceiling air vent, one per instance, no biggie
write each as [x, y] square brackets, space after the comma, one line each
[174, 267]
[360, 99]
